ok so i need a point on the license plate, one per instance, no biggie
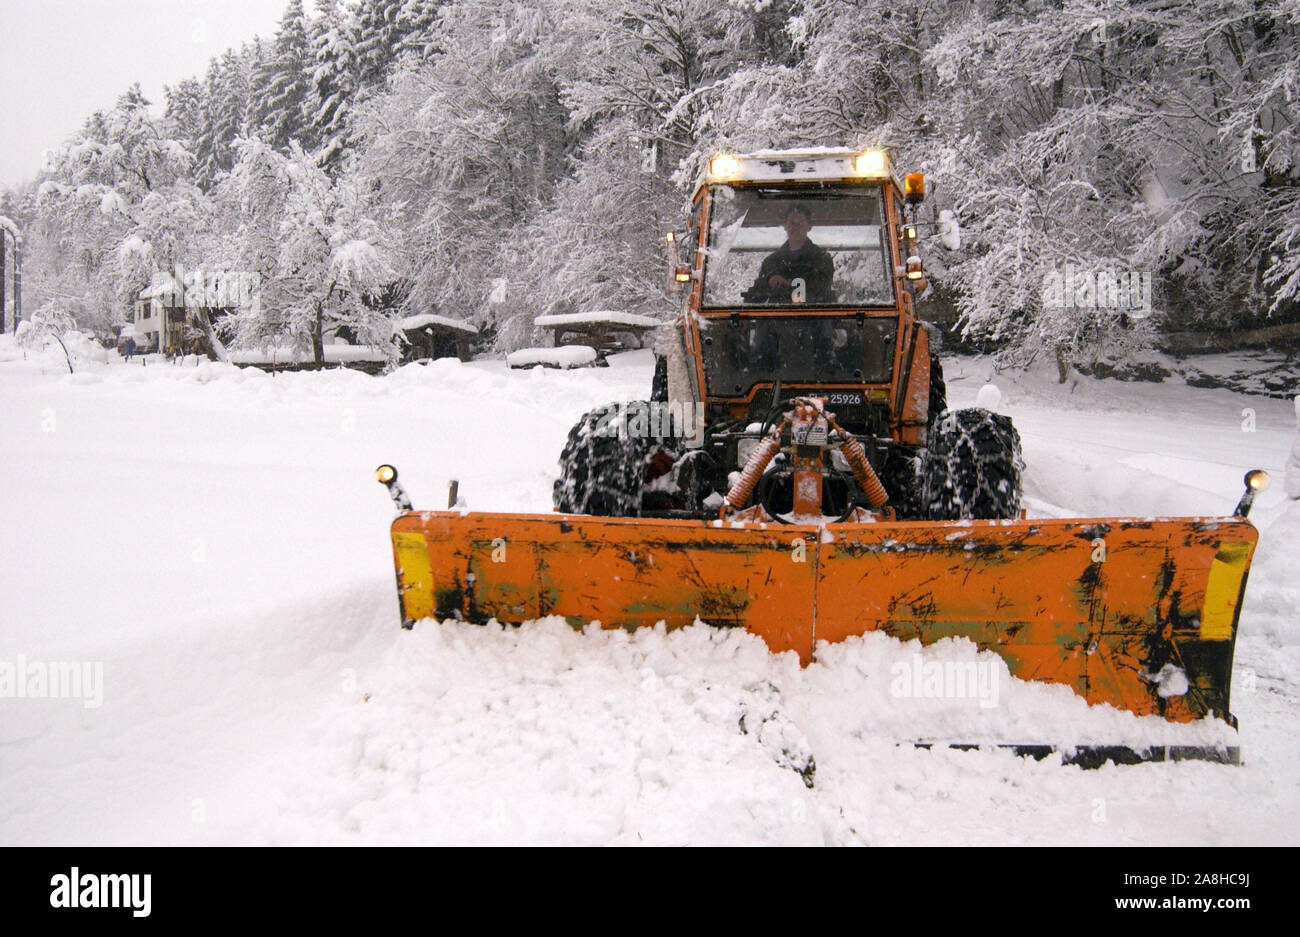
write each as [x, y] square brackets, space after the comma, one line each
[843, 398]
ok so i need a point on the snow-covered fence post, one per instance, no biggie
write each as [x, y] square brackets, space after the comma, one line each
[7, 226]
[1292, 480]
[18, 282]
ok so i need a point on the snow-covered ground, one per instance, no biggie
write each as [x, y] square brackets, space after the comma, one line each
[215, 538]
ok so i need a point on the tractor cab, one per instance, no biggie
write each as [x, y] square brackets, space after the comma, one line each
[797, 283]
[796, 280]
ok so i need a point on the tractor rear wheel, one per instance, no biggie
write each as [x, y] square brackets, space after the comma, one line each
[972, 467]
[603, 465]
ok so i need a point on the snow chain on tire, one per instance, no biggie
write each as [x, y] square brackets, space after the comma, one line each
[602, 470]
[903, 471]
[972, 469]
[938, 391]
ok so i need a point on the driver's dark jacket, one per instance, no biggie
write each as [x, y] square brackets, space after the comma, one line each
[811, 262]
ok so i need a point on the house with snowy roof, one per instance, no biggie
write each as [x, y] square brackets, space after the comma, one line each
[155, 325]
[176, 313]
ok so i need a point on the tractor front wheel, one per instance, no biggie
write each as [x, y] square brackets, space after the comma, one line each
[603, 465]
[972, 467]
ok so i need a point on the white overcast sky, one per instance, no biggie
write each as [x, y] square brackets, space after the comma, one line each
[61, 60]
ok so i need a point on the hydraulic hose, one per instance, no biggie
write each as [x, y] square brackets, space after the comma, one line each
[755, 465]
[866, 476]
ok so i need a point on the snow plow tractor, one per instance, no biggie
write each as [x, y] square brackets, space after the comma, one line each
[796, 472]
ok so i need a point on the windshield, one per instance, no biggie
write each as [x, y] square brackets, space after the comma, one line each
[740, 352]
[783, 247]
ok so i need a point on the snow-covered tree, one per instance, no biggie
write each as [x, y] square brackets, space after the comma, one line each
[171, 232]
[185, 113]
[463, 149]
[227, 90]
[323, 261]
[335, 79]
[417, 28]
[1112, 135]
[379, 27]
[600, 244]
[284, 81]
[1154, 136]
[651, 60]
[115, 180]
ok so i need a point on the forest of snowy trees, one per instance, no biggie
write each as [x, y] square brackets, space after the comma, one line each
[493, 160]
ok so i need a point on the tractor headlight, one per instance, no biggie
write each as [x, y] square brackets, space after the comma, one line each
[1257, 480]
[385, 474]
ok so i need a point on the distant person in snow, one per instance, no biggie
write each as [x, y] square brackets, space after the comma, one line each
[797, 259]
[130, 348]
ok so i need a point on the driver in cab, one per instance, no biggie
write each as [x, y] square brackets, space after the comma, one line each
[797, 259]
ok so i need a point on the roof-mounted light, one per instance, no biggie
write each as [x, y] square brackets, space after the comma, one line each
[871, 163]
[724, 166]
[914, 188]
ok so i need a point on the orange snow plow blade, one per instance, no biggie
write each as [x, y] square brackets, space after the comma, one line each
[1141, 614]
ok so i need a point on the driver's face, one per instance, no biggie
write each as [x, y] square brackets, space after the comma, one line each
[797, 227]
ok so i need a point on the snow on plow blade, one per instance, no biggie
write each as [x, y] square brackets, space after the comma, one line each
[1141, 614]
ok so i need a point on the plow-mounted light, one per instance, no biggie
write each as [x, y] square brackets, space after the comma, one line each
[871, 163]
[914, 271]
[1256, 481]
[387, 476]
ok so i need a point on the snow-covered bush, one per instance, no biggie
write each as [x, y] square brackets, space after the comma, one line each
[49, 326]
